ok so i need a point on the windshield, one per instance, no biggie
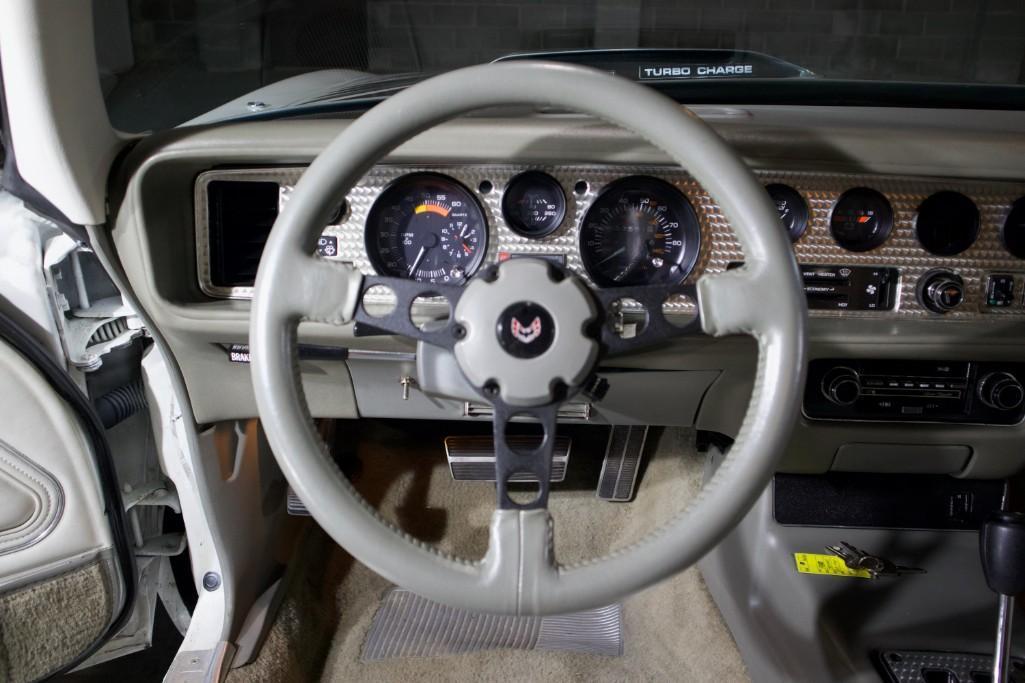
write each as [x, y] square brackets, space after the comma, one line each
[164, 62]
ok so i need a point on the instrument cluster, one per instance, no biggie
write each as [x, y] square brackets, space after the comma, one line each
[868, 244]
[429, 227]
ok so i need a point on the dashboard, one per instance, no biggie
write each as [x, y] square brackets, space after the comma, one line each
[869, 245]
[194, 207]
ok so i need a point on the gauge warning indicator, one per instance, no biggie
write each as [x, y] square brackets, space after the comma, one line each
[426, 227]
[862, 219]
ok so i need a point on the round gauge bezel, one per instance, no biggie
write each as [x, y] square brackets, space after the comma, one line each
[882, 236]
[532, 177]
[692, 228]
[1014, 244]
[371, 229]
[800, 207]
[937, 207]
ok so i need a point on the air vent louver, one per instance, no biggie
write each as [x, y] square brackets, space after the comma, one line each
[241, 215]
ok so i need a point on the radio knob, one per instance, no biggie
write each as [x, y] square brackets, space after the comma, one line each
[941, 291]
[841, 386]
[1001, 390]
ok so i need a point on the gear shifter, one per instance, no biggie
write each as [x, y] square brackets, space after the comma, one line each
[1002, 547]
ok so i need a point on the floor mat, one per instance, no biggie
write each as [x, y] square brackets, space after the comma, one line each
[672, 631]
[408, 625]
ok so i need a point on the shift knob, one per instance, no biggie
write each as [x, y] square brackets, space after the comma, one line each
[1002, 546]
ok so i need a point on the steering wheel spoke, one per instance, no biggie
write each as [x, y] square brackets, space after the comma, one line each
[322, 291]
[399, 319]
[656, 327]
[521, 462]
[734, 302]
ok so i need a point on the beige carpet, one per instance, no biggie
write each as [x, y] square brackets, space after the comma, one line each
[45, 625]
[673, 631]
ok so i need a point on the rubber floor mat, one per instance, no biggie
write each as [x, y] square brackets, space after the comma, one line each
[407, 625]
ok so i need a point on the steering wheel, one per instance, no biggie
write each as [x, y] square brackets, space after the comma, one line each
[561, 319]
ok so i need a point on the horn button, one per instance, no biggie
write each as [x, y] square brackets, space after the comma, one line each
[526, 346]
[525, 330]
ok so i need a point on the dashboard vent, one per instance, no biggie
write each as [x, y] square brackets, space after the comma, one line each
[241, 215]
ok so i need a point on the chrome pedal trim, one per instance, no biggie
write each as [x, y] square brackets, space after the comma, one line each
[622, 463]
[472, 458]
[910, 666]
[294, 505]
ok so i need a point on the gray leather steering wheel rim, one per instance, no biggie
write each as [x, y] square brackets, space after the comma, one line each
[519, 574]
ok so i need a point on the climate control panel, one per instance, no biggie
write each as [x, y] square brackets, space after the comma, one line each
[966, 392]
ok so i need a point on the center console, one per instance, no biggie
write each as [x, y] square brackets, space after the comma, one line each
[961, 392]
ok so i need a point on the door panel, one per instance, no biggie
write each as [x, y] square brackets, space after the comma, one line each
[31, 500]
[43, 432]
[63, 586]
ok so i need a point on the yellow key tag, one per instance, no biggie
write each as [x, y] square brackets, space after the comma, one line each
[829, 565]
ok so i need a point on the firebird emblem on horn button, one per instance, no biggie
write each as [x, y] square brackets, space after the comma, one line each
[526, 333]
[525, 339]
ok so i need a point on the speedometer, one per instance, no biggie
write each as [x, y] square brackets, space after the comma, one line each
[426, 227]
[639, 231]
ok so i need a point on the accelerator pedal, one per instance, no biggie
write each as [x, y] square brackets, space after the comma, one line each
[407, 625]
[622, 463]
[472, 458]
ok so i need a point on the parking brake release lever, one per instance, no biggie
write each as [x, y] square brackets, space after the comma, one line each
[1002, 548]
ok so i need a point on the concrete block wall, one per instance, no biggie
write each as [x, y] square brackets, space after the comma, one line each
[948, 40]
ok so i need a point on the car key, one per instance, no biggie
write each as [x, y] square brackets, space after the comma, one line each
[856, 558]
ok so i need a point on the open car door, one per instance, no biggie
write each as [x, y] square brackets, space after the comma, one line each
[67, 570]
[66, 573]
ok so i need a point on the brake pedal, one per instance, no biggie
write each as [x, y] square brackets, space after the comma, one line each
[622, 463]
[472, 458]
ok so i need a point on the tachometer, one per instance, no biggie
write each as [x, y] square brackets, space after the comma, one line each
[639, 231]
[426, 227]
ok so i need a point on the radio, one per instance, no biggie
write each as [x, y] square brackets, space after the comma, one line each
[915, 391]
